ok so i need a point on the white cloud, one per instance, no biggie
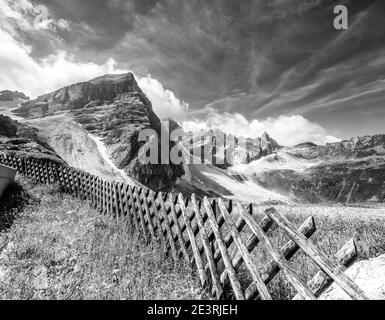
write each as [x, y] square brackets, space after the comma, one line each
[24, 15]
[165, 103]
[287, 130]
[19, 71]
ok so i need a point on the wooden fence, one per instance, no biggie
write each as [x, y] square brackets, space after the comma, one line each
[213, 236]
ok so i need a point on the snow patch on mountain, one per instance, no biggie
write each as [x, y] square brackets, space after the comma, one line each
[281, 160]
[105, 155]
[247, 190]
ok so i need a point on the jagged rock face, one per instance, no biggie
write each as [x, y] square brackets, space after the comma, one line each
[7, 95]
[219, 144]
[119, 124]
[261, 147]
[359, 147]
[341, 183]
[16, 138]
[351, 170]
[99, 91]
[345, 172]
[115, 109]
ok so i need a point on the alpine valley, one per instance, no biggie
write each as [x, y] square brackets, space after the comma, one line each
[95, 125]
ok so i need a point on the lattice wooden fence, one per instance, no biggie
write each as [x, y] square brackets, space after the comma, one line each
[212, 236]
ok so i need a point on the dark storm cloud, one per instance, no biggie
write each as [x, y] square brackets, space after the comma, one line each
[262, 58]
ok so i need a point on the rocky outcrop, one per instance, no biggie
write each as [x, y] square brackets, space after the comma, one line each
[114, 109]
[261, 147]
[222, 147]
[7, 95]
[368, 275]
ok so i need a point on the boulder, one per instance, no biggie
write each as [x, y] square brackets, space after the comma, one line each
[369, 275]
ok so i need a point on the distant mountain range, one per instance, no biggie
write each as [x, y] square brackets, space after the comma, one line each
[7, 95]
[346, 171]
[94, 126]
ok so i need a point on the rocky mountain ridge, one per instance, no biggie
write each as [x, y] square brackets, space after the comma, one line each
[114, 109]
[7, 95]
[223, 150]
[355, 148]
[96, 92]
[347, 171]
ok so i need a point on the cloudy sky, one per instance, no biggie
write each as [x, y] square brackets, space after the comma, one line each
[244, 66]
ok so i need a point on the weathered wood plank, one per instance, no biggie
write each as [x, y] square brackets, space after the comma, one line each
[168, 228]
[135, 218]
[148, 213]
[321, 281]
[207, 250]
[108, 198]
[244, 252]
[105, 195]
[140, 213]
[158, 222]
[116, 200]
[291, 275]
[111, 198]
[193, 241]
[178, 229]
[99, 194]
[129, 206]
[318, 257]
[265, 224]
[225, 255]
[288, 251]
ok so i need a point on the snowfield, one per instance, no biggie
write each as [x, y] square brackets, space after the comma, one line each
[281, 160]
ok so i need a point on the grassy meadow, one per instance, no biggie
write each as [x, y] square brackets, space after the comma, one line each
[57, 247]
[53, 246]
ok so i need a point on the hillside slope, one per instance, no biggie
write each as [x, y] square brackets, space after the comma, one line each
[60, 248]
[79, 148]
[17, 138]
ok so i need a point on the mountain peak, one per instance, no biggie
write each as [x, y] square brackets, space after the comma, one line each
[265, 136]
[113, 78]
[98, 91]
[266, 139]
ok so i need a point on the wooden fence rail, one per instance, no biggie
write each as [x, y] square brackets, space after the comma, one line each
[214, 237]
